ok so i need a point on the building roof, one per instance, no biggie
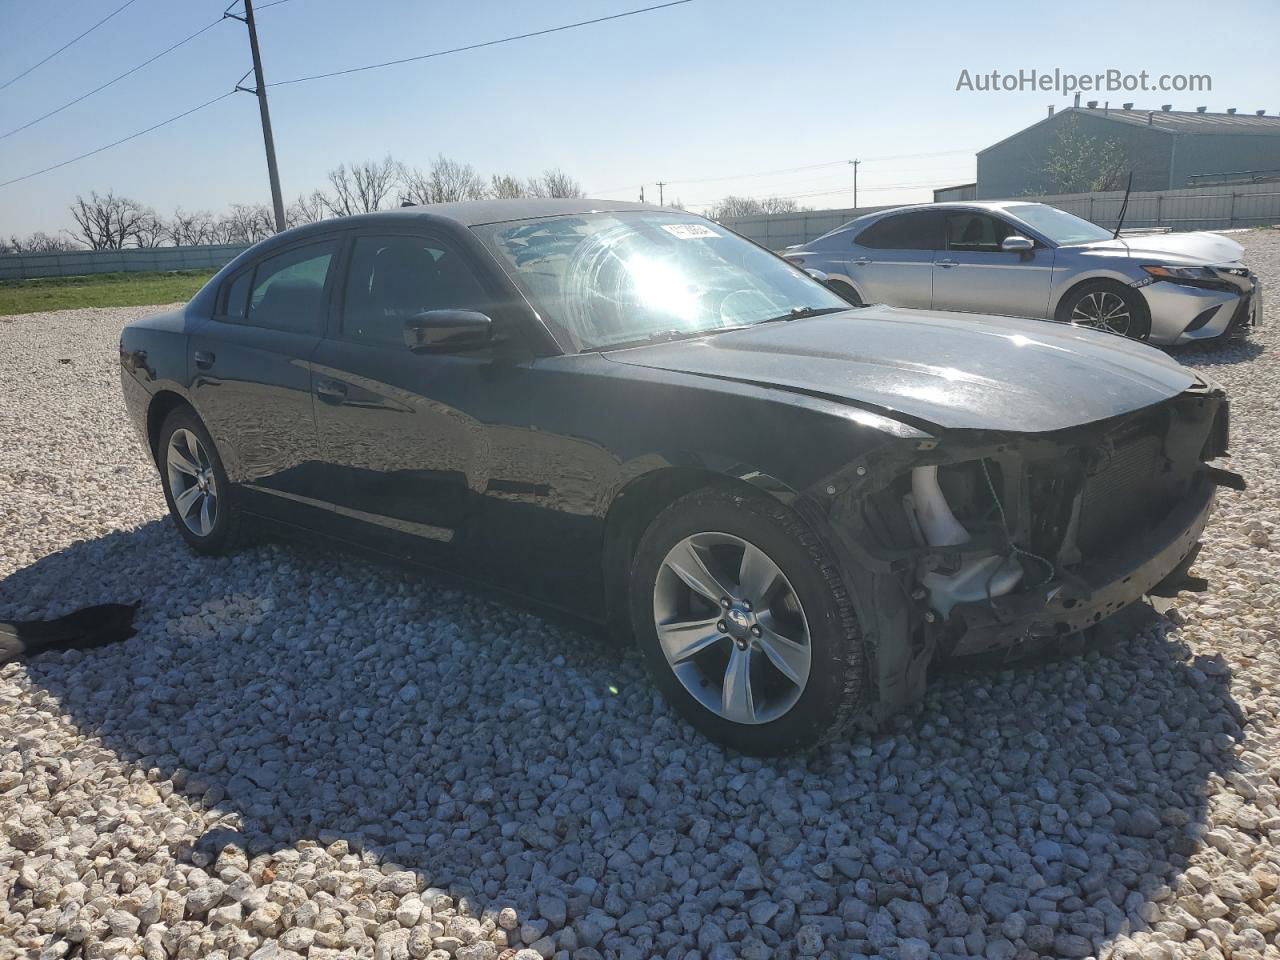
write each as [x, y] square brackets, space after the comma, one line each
[1190, 121]
[1176, 122]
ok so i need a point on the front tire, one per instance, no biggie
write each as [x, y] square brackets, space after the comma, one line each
[195, 484]
[845, 292]
[1109, 306]
[745, 623]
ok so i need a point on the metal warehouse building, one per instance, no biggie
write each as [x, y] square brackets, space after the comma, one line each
[1166, 148]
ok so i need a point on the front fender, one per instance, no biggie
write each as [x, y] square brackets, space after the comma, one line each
[1066, 277]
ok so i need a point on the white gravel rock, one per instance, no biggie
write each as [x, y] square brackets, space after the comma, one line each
[301, 754]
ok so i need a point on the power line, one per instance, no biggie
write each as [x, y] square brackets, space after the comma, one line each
[67, 44]
[826, 193]
[129, 72]
[117, 79]
[477, 46]
[116, 143]
[782, 170]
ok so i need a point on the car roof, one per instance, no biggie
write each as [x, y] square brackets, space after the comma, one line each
[474, 213]
[951, 205]
[868, 218]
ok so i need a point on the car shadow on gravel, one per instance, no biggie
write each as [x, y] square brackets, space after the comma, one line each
[501, 757]
[1215, 354]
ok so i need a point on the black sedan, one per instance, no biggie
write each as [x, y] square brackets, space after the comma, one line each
[636, 416]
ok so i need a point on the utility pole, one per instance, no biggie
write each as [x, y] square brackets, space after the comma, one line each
[660, 186]
[853, 163]
[277, 201]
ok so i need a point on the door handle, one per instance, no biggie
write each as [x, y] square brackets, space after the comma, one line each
[331, 390]
[861, 261]
[946, 263]
[203, 359]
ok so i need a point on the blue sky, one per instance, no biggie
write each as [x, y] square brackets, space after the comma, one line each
[693, 95]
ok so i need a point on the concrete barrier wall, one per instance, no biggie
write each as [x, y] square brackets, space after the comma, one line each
[76, 263]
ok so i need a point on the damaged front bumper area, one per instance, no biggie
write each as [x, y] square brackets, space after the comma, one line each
[978, 541]
[1064, 605]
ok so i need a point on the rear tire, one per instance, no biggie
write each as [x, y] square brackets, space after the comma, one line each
[195, 484]
[846, 292]
[1106, 305]
[790, 632]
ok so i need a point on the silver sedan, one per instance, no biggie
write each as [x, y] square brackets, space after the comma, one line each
[1033, 260]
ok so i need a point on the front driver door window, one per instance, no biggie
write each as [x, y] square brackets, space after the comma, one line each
[893, 259]
[974, 274]
[393, 279]
[398, 438]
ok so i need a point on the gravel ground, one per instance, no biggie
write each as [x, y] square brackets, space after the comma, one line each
[302, 755]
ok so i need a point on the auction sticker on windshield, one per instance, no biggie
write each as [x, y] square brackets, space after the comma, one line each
[689, 231]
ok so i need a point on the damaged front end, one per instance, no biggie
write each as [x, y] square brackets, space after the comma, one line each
[996, 539]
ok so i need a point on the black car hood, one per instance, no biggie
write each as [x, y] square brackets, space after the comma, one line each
[947, 370]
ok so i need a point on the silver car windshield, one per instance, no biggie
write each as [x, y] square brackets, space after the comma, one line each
[1059, 226]
[608, 279]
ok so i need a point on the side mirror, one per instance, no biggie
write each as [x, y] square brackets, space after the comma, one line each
[816, 274]
[441, 331]
[1016, 244]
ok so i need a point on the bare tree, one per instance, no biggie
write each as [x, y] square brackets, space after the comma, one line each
[778, 205]
[38, 242]
[447, 181]
[363, 188]
[555, 183]
[1080, 162]
[245, 223]
[507, 187]
[732, 206]
[107, 222]
[189, 229]
[152, 230]
[308, 208]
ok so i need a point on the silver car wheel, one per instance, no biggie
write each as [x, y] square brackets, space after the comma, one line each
[1103, 310]
[732, 628]
[192, 483]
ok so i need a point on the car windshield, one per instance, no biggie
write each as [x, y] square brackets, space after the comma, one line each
[613, 279]
[1059, 226]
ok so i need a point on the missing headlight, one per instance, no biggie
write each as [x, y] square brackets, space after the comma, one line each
[978, 577]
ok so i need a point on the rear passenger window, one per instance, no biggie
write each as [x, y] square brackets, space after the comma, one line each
[237, 300]
[907, 231]
[393, 279]
[287, 290]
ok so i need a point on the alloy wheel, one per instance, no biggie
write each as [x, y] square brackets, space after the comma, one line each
[192, 482]
[732, 628]
[1103, 310]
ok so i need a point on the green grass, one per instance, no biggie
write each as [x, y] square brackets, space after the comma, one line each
[99, 290]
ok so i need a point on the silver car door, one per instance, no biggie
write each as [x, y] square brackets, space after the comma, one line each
[892, 259]
[974, 274]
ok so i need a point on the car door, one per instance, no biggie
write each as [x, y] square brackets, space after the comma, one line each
[400, 444]
[250, 379]
[892, 259]
[974, 274]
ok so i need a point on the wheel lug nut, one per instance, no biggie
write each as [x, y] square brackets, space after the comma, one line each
[722, 626]
[755, 630]
[746, 605]
[724, 602]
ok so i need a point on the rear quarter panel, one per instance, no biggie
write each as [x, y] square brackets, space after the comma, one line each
[153, 358]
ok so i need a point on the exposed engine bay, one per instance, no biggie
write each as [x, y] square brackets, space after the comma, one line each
[997, 540]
